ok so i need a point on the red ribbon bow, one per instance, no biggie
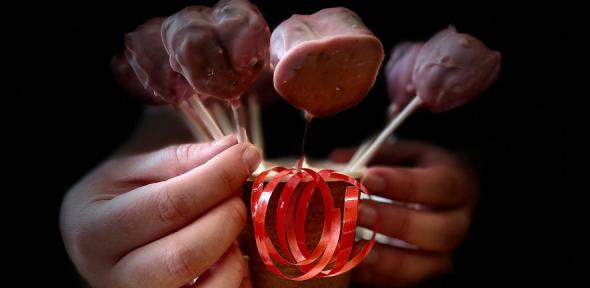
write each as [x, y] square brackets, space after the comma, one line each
[333, 254]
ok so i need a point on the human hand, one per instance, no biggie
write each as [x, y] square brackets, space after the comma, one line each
[434, 196]
[161, 218]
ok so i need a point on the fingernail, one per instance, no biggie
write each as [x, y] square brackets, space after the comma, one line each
[251, 157]
[226, 140]
[374, 183]
[367, 214]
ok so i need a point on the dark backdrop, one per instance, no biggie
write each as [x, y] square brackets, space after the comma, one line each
[521, 129]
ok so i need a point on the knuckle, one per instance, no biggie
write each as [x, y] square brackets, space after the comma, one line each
[81, 242]
[236, 212]
[171, 206]
[181, 154]
[179, 262]
[80, 237]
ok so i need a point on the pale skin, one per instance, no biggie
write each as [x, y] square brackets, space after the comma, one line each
[158, 213]
[161, 218]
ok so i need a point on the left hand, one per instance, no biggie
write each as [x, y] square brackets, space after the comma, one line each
[434, 195]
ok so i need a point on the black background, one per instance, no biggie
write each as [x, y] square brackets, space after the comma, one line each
[526, 228]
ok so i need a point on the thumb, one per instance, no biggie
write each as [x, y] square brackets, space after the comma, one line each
[168, 162]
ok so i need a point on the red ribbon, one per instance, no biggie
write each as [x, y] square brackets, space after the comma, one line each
[333, 254]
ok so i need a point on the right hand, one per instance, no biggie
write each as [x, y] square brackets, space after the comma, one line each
[160, 219]
[434, 194]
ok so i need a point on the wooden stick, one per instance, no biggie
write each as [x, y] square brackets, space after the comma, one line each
[393, 124]
[220, 115]
[205, 116]
[193, 122]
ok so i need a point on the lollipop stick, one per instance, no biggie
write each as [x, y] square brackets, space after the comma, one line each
[359, 151]
[255, 122]
[203, 113]
[240, 130]
[393, 124]
[220, 116]
[193, 122]
[391, 113]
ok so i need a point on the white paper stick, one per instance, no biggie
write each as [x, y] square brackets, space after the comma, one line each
[220, 115]
[197, 105]
[193, 122]
[393, 124]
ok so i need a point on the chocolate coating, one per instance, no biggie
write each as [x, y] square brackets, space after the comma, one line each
[452, 68]
[148, 59]
[325, 62]
[220, 50]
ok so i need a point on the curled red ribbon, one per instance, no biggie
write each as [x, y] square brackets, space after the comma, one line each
[333, 254]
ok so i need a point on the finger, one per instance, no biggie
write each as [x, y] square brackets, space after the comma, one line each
[229, 271]
[388, 154]
[411, 153]
[436, 186]
[406, 152]
[150, 212]
[247, 281]
[387, 266]
[430, 231]
[163, 164]
[176, 259]
[342, 155]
